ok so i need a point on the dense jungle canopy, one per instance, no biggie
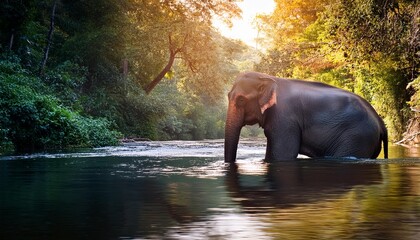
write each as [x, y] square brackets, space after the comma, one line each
[82, 73]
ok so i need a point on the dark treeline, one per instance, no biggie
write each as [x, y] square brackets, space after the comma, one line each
[82, 73]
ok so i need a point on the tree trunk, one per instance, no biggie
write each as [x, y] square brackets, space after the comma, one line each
[12, 37]
[160, 76]
[173, 51]
[49, 40]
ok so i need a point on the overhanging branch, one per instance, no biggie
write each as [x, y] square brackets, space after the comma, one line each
[173, 51]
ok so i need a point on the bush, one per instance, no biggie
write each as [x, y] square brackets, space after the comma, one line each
[95, 132]
[31, 120]
[65, 81]
[186, 117]
[415, 99]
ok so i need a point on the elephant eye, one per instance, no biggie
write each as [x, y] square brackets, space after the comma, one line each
[240, 101]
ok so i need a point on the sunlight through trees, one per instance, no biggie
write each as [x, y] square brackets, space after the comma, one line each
[159, 69]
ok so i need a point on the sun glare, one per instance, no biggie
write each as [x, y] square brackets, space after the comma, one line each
[243, 28]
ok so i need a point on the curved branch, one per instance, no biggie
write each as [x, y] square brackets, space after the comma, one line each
[173, 51]
[160, 76]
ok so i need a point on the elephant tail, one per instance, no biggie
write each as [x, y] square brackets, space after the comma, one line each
[385, 140]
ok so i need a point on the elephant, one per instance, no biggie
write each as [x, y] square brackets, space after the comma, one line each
[303, 117]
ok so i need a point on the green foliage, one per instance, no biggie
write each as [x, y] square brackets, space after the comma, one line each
[368, 47]
[32, 120]
[85, 90]
[92, 132]
[188, 117]
[253, 131]
[163, 30]
[65, 82]
[137, 114]
[415, 99]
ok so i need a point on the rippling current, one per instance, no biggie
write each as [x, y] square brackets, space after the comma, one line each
[184, 190]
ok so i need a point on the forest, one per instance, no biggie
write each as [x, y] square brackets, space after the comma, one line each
[88, 73]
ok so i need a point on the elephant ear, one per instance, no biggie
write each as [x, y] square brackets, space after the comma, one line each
[267, 92]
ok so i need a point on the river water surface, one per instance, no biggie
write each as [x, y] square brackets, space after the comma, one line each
[184, 190]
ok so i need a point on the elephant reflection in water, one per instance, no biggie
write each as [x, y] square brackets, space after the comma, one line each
[281, 187]
[299, 182]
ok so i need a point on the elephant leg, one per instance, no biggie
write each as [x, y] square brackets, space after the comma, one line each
[282, 145]
[268, 151]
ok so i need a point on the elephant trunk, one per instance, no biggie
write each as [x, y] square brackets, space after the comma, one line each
[234, 123]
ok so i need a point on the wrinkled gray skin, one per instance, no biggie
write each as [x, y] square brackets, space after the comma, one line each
[303, 117]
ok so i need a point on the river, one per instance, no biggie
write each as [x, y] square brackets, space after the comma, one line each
[184, 190]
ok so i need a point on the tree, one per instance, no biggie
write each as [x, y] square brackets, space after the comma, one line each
[13, 15]
[96, 57]
[286, 27]
[375, 41]
[49, 39]
[369, 47]
[173, 30]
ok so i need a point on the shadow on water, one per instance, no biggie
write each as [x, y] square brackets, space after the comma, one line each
[166, 191]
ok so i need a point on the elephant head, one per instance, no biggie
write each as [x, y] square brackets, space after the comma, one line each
[251, 95]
